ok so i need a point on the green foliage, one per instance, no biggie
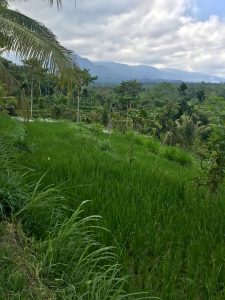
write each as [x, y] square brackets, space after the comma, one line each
[64, 259]
[134, 138]
[216, 146]
[128, 195]
[177, 155]
[105, 145]
[18, 278]
[200, 94]
[121, 123]
[11, 194]
[74, 259]
[58, 111]
[145, 204]
[105, 117]
[152, 146]
[128, 91]
[31, 40]
[182, 89]
[187, 131]
[154, 202]
[148, 194]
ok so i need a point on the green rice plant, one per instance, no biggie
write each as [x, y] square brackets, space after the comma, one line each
[12, 193]
[152, 146]
[177, 155]
[76, 265]
[11, 129]
[19, 276]
[170, 233]
[70, 262]
[95, 128]
[133, 138]
[42, 209]
[105, 145]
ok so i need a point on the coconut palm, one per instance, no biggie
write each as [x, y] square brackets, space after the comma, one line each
[28, 39]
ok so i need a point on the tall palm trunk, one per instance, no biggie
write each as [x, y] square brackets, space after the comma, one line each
[78, 106]
[127, 116]
[31, 97]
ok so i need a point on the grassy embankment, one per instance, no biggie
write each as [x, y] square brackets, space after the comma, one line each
[170, 234]
[48, 251]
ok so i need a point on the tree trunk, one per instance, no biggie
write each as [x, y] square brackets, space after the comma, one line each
[40, 92]
[31, 97]
[78, 106]
[110, 117]
[127, 116]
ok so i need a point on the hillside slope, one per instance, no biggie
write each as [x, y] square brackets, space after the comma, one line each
[170, 232]
[114, 73]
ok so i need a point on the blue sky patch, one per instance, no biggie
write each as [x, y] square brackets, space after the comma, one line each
[207, 8]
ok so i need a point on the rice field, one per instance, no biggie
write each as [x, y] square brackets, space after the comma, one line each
[169, 233]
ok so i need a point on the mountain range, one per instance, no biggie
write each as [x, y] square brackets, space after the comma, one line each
[114, 73]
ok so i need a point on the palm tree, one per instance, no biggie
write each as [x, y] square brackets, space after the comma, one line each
[28, 39]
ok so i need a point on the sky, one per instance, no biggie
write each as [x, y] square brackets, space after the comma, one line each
[181, 34]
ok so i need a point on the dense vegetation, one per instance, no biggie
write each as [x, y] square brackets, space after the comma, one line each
[111, 192]
[161, 199]
[190, 116]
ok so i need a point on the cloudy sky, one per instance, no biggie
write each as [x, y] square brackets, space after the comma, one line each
[184, 34]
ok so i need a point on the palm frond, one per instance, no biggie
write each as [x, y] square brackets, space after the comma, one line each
[3, 3]
[30, 39]
[58, 2]
[26, 22]
[51, 2]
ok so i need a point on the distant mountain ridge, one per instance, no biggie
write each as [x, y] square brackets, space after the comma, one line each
[114, 73]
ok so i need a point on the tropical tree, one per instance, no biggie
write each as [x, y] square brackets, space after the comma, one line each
[30, 39]
[35, 72]
[129, 91]
[216, 146]
[200, 94]
[78, 80]
[187, 130]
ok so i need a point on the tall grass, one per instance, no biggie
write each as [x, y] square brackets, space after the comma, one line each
[79, 266]
[171, 234]
[60, 257]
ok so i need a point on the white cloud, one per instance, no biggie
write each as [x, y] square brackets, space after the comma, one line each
[156, 32]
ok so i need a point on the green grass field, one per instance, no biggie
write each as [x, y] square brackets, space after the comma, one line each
[171, 235]
[168, 232]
